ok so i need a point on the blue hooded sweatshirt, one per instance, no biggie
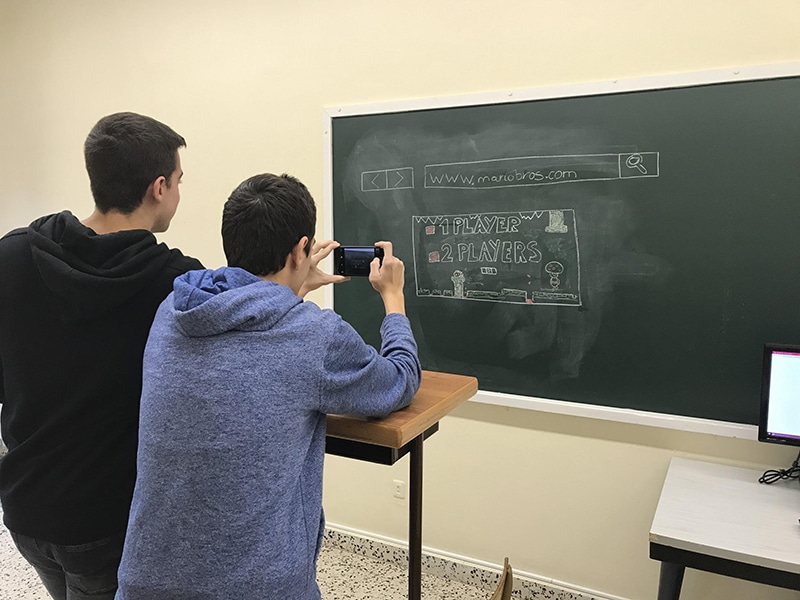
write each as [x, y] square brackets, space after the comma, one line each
[239, 374]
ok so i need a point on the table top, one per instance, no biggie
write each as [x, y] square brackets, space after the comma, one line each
[438, 394]
[722, 511]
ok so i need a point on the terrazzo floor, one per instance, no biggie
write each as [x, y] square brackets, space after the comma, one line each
[342, 575]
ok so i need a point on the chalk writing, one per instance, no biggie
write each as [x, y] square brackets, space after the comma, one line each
[387, 180]
[541, 170]
[528, 257]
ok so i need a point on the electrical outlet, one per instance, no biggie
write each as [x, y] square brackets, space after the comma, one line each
[399, 489]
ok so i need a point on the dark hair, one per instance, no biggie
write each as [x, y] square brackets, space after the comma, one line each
[264, 218]
[124, 154]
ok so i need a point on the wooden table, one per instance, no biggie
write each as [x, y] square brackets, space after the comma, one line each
[719, 519]
[385, 441]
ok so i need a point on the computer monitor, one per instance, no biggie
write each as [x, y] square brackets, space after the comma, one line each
[779, 418]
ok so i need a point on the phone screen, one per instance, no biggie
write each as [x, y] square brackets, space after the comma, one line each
[355, 260]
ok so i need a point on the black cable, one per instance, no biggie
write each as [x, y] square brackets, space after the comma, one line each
[773, 475]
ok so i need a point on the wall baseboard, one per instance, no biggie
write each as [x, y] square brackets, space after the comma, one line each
[480, 574]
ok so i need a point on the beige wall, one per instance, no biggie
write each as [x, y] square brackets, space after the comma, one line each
[245, 82]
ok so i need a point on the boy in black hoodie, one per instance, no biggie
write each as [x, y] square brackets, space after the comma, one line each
[76, 305]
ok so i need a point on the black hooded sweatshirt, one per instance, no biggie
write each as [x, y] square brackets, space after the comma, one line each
[75, 312]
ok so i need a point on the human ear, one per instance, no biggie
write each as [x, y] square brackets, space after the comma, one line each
[299, 251]
[159, 186]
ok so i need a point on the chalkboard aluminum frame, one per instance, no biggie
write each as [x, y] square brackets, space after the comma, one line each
[699, 78]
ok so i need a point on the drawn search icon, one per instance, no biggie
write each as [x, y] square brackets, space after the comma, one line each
[634, 161]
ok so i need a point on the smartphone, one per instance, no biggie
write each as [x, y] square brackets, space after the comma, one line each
[353, 261]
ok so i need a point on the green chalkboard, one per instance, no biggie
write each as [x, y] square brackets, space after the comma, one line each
[630, 249]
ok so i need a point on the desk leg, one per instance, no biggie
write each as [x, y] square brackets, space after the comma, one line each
[670, 581]
[415, 521]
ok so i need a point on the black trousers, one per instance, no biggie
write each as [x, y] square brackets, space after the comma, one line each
[75, 572]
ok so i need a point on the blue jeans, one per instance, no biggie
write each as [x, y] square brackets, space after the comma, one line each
[75, 572]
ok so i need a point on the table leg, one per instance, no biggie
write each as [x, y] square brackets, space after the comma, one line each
[670, 581]
[415, 521]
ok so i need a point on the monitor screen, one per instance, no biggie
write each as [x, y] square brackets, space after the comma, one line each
[779, 418]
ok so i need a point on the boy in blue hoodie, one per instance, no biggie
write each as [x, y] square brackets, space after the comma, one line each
[239, 375]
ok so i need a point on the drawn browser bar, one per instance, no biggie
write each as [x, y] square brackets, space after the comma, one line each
[541, 170]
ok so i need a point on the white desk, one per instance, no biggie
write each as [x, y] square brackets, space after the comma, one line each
[720, 519]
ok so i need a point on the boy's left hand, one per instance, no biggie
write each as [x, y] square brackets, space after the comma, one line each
[317, 277]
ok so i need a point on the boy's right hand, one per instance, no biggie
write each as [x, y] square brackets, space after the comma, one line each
[388, 279]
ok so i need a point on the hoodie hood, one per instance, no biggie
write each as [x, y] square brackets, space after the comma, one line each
[92, 274]
[228, 299]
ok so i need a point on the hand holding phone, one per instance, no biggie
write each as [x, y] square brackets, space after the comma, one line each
[387, 274]
[388, 279]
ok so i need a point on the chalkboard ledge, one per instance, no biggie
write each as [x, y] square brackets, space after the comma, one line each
[620, 415]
